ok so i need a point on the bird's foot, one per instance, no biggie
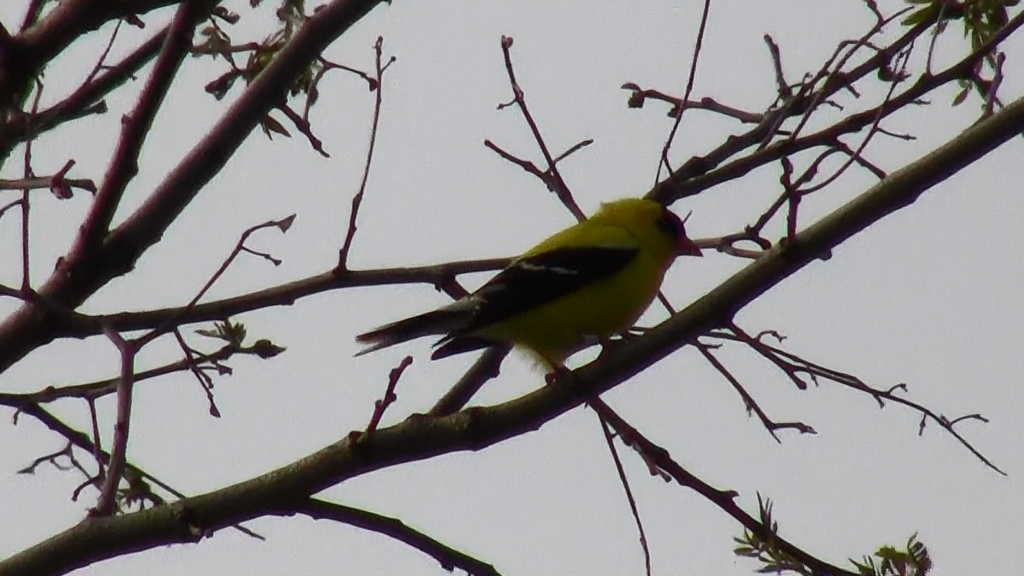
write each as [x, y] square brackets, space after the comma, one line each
[559, 376]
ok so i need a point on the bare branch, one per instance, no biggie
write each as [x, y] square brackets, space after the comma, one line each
[108, 494]
[610, 439]
[357, 200]
[555, 183]
[486, 367]
[698, 44]
[135, 128]
[380, 406]
[448, 557]
[725, 500]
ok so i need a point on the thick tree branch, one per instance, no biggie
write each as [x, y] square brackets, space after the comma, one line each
[135, 127]
[424, 437]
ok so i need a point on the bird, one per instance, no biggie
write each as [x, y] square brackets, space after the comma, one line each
[578, 287]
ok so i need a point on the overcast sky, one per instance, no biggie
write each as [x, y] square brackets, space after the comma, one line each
[929, 297]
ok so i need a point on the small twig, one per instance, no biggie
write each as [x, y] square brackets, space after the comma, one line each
[302, 125]
[785, 92]
[768, 353]
[991, 97]
[486, 367]
[793, 197]
[7, 207]
[204, 380]
[357, 200]
[573, 149]
[872, 130]
[873, 6]
[546, 177]
[371, 82]
[833, 77]
[134, 474]
[610, 440]
[97, 440]
[859, 158]
[448, 557]
[748, 400]
[639, 96]
[381, 405]
[686, 93]
[86, 99]
[51, 458]
[44, 182]
[940, 27]
[115, 470]
[800, 364]
[103, 56]
[556, 183]
[283, 225]
[26, 278]
[100, 388]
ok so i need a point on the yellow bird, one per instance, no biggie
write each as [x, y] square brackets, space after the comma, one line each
[578, 287]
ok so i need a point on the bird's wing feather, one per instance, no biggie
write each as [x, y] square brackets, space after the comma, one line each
[541, 278]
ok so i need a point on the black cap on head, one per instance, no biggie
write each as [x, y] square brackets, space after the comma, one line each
[671, 224]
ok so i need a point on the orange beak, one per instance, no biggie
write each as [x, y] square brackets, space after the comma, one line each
[687, 247]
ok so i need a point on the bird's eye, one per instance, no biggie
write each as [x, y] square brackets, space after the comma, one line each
[671, 224]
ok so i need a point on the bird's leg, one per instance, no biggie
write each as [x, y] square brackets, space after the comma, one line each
[559, 375]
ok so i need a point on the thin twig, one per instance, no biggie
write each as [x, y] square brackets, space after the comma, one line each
[381, 405]
[97, 440]
[134, 474]
[26, 276]
[610, 440]
[100, 388]
[686, 93]
[115, 470]
[283, 225]
[193, 366]
[751, 405]
[560, 188]
[448, 557]
[357, 200]
[793, 363]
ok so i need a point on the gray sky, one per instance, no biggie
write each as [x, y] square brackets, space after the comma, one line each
[929, 296]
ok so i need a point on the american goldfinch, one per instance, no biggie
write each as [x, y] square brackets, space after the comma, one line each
[578, 287]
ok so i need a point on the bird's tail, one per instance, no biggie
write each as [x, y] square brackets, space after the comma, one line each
[441, 321]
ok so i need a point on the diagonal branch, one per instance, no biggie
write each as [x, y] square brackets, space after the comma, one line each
[662, 461]
[448, 557]
[135, 128]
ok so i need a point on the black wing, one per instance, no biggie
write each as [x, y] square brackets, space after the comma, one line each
[542, 278]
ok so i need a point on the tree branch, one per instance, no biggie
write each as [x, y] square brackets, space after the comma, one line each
[448, 557]
[135, 127]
